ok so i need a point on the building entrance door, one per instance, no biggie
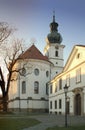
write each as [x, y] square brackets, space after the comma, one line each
[78, 104]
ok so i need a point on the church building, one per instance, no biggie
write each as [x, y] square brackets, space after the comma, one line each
[29, 89]
[39, 86]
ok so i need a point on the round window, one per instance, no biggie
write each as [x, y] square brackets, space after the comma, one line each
[23, 71]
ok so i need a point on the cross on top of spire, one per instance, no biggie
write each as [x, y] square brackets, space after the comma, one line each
[54, 16]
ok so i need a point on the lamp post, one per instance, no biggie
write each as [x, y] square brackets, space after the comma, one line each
[66, 90]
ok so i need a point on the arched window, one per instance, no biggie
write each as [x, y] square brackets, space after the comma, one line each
[36, 87]
[36, 71]
[47, 73]
[23, 87]
[56, 53]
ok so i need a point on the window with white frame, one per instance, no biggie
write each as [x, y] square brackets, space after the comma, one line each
[23, 87]
[78, 75]
[60, 103]
[47, 88]
[36, 87]
[55, 104]
[50, 104]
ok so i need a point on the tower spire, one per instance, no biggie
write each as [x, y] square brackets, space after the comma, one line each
[54, 36]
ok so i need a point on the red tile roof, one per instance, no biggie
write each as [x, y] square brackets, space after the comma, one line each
[33, 53]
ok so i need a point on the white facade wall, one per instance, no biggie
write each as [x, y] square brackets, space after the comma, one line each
[30, 100]
[50, 51]
[57, 60]
[76, 85]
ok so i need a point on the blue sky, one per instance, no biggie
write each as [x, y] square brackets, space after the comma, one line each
[32, 19]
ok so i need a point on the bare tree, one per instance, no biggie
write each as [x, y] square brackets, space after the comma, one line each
[5, 31]
[11, 54]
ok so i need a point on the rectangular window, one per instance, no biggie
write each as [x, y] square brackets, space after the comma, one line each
[50, 89]
[68, 80]
[47, 90]
[78, 75]
[23, 87]
[60, 103]
[36, 87]
[56, 104]
[50, 104]
[60, 84]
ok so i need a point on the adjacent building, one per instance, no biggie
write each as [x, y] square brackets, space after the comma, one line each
[73, 75]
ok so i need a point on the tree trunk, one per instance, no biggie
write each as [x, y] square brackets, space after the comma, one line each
[5, 95]
[5, 102]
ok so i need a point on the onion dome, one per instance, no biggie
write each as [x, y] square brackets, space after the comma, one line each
[54, 36]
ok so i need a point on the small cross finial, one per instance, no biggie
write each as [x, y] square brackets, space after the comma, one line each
[53, 15]
[53, 12]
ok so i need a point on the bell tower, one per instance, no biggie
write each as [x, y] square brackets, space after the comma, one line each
[54, 49]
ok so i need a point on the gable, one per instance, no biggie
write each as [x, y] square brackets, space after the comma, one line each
[76, 57]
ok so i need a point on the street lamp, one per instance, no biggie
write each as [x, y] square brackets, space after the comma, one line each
[66, 90]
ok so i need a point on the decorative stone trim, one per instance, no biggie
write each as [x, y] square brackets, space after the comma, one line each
[77, 90]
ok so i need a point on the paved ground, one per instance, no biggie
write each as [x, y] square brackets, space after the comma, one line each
[48, 120]
[53, 120]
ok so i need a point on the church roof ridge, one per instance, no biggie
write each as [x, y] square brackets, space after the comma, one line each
[33, 53]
